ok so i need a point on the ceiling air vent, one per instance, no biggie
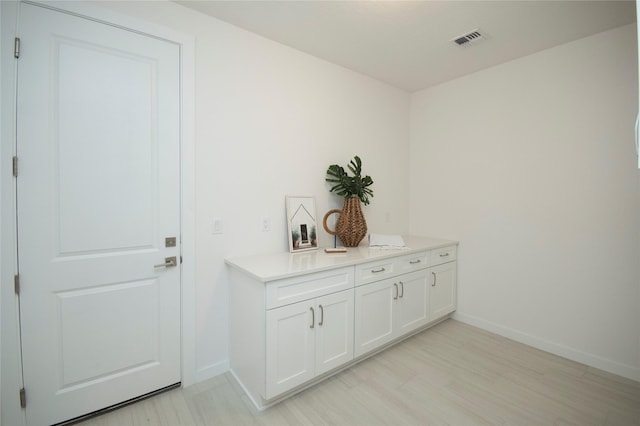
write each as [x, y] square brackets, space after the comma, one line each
[468, 38]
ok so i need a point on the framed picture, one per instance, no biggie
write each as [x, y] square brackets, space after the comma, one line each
[301, 223]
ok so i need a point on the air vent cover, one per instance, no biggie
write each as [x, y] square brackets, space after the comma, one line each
[469, 37]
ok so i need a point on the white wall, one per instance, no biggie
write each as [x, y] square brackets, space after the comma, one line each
[531, 165]
[269, 120]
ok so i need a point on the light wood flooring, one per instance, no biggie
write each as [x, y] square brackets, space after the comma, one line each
[450, 374]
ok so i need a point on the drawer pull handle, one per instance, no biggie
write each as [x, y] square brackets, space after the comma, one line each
[321, 315]
[313, 318]
[396, 294]
[375, 271]
[414, 262]
[401, 289]
[434, 279]
[444, 254]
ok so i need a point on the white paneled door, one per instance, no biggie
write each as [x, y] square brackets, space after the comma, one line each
[98, 194]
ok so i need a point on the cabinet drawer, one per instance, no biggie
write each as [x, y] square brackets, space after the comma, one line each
[412, 262]
[304, 287]
[443, 255]
[375, 271]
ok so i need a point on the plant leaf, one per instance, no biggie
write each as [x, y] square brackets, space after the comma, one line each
[349, 186]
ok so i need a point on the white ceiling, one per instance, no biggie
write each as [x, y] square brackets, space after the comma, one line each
[408, 44]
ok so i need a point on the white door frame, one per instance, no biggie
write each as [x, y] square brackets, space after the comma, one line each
[10, 366]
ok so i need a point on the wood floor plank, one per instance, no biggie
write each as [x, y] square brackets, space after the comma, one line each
[450, 374]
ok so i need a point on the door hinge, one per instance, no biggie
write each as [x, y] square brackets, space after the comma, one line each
[16, 48]
[16, 283]
[23, 398]
[15, 166]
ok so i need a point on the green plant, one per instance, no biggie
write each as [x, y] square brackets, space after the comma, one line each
[350, 186]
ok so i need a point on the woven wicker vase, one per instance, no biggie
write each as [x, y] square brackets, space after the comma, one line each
[351, 227]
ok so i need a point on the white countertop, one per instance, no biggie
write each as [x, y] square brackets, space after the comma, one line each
[274, 266]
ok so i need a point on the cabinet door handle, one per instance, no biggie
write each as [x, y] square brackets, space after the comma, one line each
[321, 315]
[434, 279]
[444, 254]
[313, 318]
[414, 262]
[375, 271]
[396, 294]
[401, 289]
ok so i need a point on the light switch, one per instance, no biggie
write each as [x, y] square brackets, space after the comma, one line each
[216, 225]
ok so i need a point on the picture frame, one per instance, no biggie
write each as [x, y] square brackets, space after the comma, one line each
[302, 226]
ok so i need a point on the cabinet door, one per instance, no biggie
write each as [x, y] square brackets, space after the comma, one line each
[442, 293]
[412, 307]
[334, 330]
[374, 315]
[290, 347]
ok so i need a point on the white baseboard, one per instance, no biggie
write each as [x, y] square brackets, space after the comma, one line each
[591, 360]
[257, 401]
[211, 371]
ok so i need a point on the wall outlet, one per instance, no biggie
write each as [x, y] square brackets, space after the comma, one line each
[265, 224]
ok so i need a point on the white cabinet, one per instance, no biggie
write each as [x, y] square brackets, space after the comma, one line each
[442, 294]
[374, 315]
[334, 331]
[390, 308]
[297, 318]
[411, 305]
[290, 348]
[306, 339]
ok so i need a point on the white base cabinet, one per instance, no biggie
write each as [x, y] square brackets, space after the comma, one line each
[306, 339]
[297, 318]
[388, 309]
[374, 312]
[442, 294]
[412, 302]
[443, 271]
